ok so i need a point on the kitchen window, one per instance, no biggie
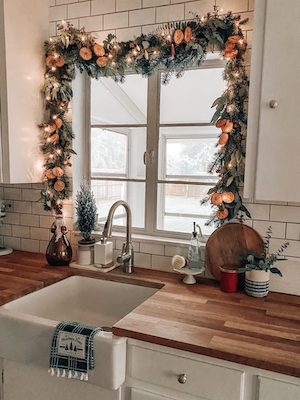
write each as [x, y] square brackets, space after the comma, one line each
[151, 145]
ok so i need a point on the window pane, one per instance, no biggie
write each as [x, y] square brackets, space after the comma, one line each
[189, 98]
[108, 192]
[178, 206]
[185, 153]
[118, 152]
[119, 103]
[108, 152]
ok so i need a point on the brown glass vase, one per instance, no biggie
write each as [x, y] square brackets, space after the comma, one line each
[59, 252]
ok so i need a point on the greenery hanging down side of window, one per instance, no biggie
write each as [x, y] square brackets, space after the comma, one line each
[173, 48]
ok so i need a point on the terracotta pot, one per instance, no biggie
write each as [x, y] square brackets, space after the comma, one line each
[257, 283]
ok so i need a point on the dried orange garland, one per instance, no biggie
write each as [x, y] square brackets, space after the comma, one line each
[173, 48]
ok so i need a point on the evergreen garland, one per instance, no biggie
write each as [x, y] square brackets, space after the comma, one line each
[173, 48]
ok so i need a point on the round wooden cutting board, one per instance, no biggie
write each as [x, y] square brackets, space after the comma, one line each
[228, 243]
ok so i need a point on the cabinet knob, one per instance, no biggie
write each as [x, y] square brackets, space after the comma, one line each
[182, 378]
[273, 103]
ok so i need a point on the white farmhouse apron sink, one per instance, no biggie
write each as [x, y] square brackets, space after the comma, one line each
[27, 324]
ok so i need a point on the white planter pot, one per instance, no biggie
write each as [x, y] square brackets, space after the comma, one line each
[257, 283]
[85, 254]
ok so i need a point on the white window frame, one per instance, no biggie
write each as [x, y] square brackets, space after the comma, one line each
[151, 180]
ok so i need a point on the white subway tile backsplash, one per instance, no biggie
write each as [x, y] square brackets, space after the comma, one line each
[259, 211]
[103, 6]
[200, 7]
[123, 5]
[31, 194]
[155, 3]
[233, 5]
[142, 260]
[152, 248]
[293, 231]
[142, 17]
[52, 29]
[278, 228]
[82, 9]
[170, 13]
[20, 231]
[146, 29]
[29, 220]
[46, 221]
[40, 233]
[161, 263]
[12, 218]
[6, 229]
[173, 250]
[293, 249]
[30, 245]
[22, 207]
[12, 193]
[117, 20]
[13, 242]
[58, 13]
[285, 213]
[92, 24]
[128, 33]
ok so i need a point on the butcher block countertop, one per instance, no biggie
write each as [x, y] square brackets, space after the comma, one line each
[263, 333]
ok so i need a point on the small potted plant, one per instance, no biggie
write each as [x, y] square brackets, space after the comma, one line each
[257, 267]
[86, 211]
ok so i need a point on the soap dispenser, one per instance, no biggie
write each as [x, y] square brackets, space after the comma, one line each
[194, 251]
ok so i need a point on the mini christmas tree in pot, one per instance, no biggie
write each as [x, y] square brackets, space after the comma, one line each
[86, 211]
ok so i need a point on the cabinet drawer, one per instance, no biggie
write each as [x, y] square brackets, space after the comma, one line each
[137, 394]
[203, 379]
[273, 389]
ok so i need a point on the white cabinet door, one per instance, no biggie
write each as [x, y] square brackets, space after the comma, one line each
[137, 394]
[272, 166]
[272, 389]
[23, 29]
[30, 383]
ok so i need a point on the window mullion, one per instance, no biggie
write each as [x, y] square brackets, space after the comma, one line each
[152, 146]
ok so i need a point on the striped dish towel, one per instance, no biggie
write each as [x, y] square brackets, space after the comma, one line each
[72, 350]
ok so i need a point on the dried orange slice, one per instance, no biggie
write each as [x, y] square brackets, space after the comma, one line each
[54, 138]
[234, 39]
[223, 139]
[59, 185]
[102, 61]
[188, 34]
[222, 214]
[228, 197]
[221, 122]
[178, 36]
[98, 50]
[228, 127]
[216, 199]
[85, 53]
[58, 122]
[60, 61]
[49, 174]
[58, 172]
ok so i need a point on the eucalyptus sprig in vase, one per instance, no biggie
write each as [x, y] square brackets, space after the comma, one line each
[257, 267]
[86, 211]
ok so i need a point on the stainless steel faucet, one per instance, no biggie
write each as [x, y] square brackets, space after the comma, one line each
[126, 258]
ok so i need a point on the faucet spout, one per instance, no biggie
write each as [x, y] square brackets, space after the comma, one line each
[126, 258]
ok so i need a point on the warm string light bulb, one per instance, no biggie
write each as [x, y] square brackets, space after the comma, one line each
[53, 69]
[134, 52]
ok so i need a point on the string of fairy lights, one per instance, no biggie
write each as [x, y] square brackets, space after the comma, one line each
[173, 48]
